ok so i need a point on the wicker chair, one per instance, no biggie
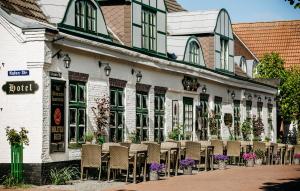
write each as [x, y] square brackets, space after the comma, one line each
[260, 146]
[173, 154]
[296, 151]
[105, 146]
[119, 159]
[90, 158]
[234, 150]
[193, 151]
[218, 147]
[153, 152]
[283, 151]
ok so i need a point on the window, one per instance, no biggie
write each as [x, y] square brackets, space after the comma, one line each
[248, 110]
[148, 30]
[237, 118]
[270, 122]
[218, 114]
[259, 109]
[77, 109]
[204, 116]
[243, 64]
[194, 53]
[159, 122]
[116, 131]
[175, 114]
[224, 54]
[85, 15]
[141, 116]
[187, 117]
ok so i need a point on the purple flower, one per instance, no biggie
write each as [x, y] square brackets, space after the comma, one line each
[249, 156]
[156, 167]
[221, 157]
[297, 156]
[187, 163]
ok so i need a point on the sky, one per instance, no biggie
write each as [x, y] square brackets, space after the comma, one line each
[247, 10]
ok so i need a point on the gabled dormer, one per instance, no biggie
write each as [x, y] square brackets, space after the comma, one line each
[85, 18]
[213, 30]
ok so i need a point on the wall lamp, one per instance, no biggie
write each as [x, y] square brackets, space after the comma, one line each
[269, 99]
[204, 89]
[259, 99]
[232, 93]
[139, 75]
[107, 68]
[66, 58]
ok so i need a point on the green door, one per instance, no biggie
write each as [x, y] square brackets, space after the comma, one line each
[187, 117]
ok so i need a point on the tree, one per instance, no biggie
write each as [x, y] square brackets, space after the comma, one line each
[293, 2]
[272, 66]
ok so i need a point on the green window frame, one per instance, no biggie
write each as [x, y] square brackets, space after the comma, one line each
[142, 120]
[116, 130]
[188, 110]
[86, 16]
[159, 114]
[248, 109]
[237, 117]
[224, 54]
[204, 116]
[149, 32]
[77, 112]
[218, 114]
[194, 52]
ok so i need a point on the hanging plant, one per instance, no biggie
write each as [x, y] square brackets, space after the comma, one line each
[17, 138]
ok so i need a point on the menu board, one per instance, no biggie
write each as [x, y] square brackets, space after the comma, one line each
[57, 139]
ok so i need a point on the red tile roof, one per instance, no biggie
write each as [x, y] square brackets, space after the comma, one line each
[25, 8]
[282, 37]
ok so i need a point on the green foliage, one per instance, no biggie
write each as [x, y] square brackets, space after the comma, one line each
[212, 122]
[258, 127]
[9, 181]
[259, 154]
[176, 133]
[272, 66]
[133, 137]
[89, 136]
[62, 176]
[246, 129]
[293, 3]
[14, 137]
[267, 139]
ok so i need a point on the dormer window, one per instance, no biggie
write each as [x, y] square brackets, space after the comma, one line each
[85, 16]
[148, 29]
[194, 53]
[243, 64]
[224, 54]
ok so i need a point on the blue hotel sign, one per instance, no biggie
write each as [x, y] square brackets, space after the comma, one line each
[18, 73]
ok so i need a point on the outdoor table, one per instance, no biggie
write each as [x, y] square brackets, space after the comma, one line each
[282, 149]
[168, 150]
[134, 153]
[270, 149]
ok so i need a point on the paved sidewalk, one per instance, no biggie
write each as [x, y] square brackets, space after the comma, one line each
[264, 178]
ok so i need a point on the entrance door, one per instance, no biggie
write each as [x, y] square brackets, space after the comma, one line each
[187, 118]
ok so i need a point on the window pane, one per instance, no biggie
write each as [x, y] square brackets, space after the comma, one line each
[156, 121]
[112, 134]
[138, 101]
[120, 98]
[120, 120]
[112, 98]
[73, 92]
[162, 103]
[145, 122]
[113, 119]
[145, 134]
[138, 120]
[72, 133]
[156, 103]
[81, 130]
[73, 117]
[144, 101]
[81, 93]
[81, 117]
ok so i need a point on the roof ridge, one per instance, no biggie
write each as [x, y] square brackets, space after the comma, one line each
[260, 22]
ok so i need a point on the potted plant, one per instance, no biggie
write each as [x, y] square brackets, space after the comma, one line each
[155, 169]
[212, 123]
[17, 140]
[221, 161]
[246, 129]
[297, 158]
[186, 165]
[259, 157]
[249, 158]
[176, 133]
[89, 136]
[102, 114]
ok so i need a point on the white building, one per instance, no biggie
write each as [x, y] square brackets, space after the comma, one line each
[185, 61]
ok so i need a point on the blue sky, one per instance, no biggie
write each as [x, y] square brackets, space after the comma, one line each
[247, 11]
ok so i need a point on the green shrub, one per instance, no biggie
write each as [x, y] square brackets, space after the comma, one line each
[175, 134]
[9, 181]
[62, 176]
[89, 136]
[246, 129]
[259, 154]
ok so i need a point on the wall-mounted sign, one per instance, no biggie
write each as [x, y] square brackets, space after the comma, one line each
[20, 87]
[55, 74]
[18, 73]
[190, 83]
[57, 138]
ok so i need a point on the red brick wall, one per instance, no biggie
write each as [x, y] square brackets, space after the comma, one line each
[241, 50]
[207, 44]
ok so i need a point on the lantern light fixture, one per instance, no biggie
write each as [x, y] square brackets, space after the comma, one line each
[107, 69]
[204, 89]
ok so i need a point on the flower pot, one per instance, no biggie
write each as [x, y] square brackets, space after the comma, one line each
[154, 175]
[258, 162]
[250, 163]
[187, 170]
[222, 165]
[296, 161]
